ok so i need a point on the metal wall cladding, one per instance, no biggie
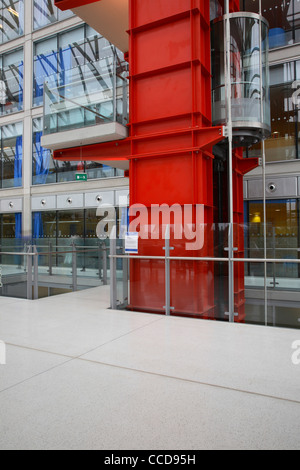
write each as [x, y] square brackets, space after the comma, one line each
[11, 205]
[46, 203]
[72, 201]
[275, 188]
[69, 201]
[95, 199]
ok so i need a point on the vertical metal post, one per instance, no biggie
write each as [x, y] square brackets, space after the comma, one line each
[125, 94]
[99, 261]
[35, 273]
[274, 257]
[167, 306]
[230, 167]
[29, 273]
[74, 267]
[125, 276]
[263, 147]
[50, 259]
[104, 264]
[25, 257]
[113, 273]
[114, 80]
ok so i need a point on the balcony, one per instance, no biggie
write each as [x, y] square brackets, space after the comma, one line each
[86, 105]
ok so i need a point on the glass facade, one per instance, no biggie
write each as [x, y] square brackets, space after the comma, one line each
[63, 59]
[11, 82]
[45, 170]
[65, 226]
[283, 143]
[65, 54]
[99, 98]
[11, 19]
[10, 229]
[283, 17]
[45, 13]
[11, 155]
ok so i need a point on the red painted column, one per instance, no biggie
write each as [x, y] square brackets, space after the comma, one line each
[170, 105]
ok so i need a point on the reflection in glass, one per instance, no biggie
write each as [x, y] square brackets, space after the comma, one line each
[68, 52]
[45, 13]
[12, 155]
[43, 168]
[283, 17]
[283, 142]
[282, 242]
[86, 97]
[11, 82]
[11, 19]
[250, 106]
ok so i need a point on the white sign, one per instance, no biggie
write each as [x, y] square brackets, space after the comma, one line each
[131, 242]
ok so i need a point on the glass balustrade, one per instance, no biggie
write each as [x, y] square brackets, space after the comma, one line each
[177, 276]
[86, 96]
[39, 268]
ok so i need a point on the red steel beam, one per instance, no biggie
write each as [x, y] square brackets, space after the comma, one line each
[70, 4]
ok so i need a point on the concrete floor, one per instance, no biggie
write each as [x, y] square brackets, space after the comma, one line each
[80, 376]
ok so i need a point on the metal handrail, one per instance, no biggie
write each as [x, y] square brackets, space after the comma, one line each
[195, 258]
[44, 252]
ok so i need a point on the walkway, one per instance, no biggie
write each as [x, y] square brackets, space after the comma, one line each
[81, 376]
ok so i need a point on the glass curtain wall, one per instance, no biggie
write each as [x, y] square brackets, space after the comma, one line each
[45, 170]
[283, 17]
[65, 226]
[283, 143]
[63, 55]
[10, 235]
[45, 13]
[11, 19]
[272, 224]
[11, 82]
[11, 155]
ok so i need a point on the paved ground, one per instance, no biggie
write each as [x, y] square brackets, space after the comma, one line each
[80, 376]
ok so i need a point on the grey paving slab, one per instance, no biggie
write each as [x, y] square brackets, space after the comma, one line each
[82, 405]
[23, 364]
[71, 327]
[253, 358]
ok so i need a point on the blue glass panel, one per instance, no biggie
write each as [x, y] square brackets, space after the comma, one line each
[42, 160]
[44, 66]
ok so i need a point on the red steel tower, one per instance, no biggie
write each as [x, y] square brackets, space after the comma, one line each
[170, 143]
